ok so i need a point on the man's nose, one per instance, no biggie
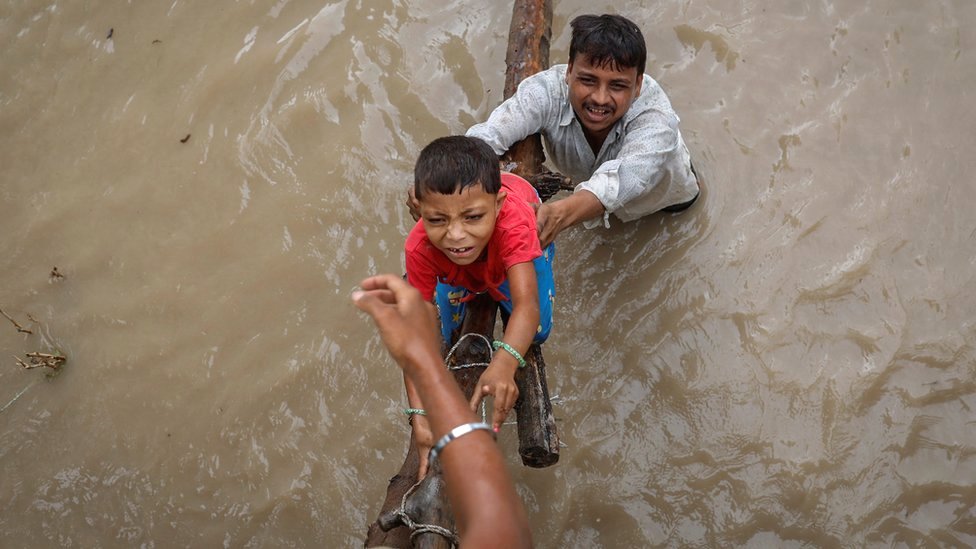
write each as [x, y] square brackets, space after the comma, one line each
[601, 95]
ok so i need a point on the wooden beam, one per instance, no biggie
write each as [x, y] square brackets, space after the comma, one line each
[528, 53]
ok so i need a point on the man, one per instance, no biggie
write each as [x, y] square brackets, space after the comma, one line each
[606, 124]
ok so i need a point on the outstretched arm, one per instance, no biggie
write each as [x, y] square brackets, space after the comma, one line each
[499, 379]
[489, 512]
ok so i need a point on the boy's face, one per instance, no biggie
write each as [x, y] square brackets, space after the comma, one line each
[460, 225]
[600, 95]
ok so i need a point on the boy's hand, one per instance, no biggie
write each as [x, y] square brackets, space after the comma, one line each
[499, 383]
[423, 439]
[406, 322]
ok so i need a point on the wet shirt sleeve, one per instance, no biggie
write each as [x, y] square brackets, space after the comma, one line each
[649, 141]
[526, 112]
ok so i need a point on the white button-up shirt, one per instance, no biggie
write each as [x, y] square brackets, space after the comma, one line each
[642, 167]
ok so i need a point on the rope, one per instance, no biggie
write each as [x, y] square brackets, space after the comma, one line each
[473, 364]
[418, 529]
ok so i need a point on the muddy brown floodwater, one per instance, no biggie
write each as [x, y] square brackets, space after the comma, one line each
[789, 363]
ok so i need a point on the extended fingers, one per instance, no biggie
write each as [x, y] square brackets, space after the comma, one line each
[504, 402]
[479, 394]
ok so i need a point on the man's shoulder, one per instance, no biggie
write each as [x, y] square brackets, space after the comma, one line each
[550, 82]
[652, 99]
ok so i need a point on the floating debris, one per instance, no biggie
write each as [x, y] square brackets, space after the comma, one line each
[55, 274]
[20, 328]
[111, 31]
[42, 360]
[185, 139]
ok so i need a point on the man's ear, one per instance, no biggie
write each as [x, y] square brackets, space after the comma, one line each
[500, 198]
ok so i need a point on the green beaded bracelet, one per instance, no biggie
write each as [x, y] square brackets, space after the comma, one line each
[511, 350]
[414, 412]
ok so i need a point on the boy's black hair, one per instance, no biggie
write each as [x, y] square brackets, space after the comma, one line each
[448, 165]
[608, 38]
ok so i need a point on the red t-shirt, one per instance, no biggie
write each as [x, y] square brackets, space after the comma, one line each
[513, 241]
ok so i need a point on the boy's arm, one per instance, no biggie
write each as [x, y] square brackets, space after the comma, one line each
[499, 379]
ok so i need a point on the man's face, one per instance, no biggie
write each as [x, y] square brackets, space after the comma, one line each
[460, 225]
[600, 95]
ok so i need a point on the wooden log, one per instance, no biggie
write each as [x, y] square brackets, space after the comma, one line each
[538, 441]
[528, 53]
[529, 37]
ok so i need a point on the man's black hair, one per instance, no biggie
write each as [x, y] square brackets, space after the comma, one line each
[608, 39]
[448, 165]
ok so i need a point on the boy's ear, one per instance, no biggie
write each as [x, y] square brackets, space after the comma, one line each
[500, 198]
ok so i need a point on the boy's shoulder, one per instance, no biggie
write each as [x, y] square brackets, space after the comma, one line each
[520, 188]
[515, 227]
[416, 239]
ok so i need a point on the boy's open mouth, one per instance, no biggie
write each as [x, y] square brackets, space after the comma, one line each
[461, 253]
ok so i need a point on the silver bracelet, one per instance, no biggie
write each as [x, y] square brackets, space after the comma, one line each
[456, 432]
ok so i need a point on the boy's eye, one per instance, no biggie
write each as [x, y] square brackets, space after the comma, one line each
[474, 217]
[434, 220]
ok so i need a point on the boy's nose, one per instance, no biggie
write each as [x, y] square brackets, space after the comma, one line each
[455, 232]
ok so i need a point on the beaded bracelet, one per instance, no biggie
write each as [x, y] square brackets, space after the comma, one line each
[455, 433]
[413, 412]
[511, 350]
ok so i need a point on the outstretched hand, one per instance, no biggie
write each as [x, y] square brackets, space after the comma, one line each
[406, 322]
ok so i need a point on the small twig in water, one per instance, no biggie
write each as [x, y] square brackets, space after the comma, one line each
[18, 326]
[55, 273]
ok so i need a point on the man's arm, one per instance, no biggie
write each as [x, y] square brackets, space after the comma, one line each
[524, 113]
[552, 218]
[489, 512]
[649, 144]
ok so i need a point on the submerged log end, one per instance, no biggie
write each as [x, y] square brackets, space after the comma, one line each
[538, 440]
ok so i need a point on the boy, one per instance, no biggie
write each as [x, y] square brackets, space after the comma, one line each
[477, 233]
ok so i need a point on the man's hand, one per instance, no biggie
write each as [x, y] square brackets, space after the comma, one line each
[552, 218]
[423, 439]
[413, 204]
[406, 322]
[498, 381]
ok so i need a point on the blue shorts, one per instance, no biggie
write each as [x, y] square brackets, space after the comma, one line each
[451, 309]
